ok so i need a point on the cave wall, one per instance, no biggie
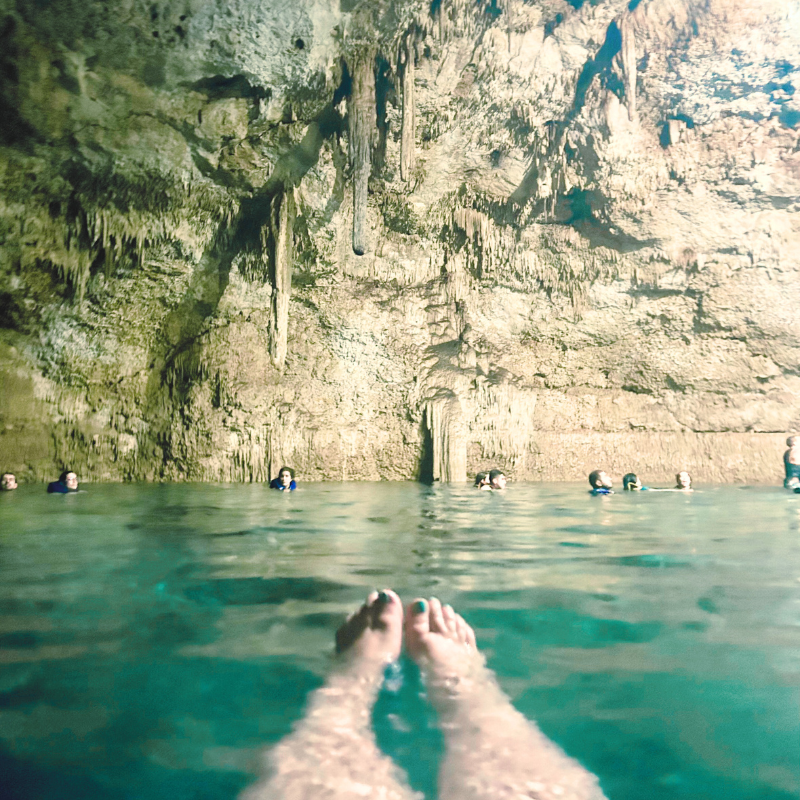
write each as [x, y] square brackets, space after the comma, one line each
[391, 240]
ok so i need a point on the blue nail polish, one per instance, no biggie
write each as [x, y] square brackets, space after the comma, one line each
[420, 606]
[384, 598]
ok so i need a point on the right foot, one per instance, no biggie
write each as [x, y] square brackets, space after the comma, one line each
[442, 643]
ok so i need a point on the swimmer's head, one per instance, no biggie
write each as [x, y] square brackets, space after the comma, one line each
[286, 475]
[8, 482]
[481, 478]
[630, 483]
[683, 480]
[599, 479]
[497, 479]
[793, 441]
[69, 479]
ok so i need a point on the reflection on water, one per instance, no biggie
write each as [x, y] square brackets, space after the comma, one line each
[153, 638]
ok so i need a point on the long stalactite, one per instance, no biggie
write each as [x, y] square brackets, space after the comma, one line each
[362, 123]
[282, 213]
[628, 54]
[443, 417]
[407, 148]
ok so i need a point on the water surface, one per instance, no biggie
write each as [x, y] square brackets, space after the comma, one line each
[154, 638]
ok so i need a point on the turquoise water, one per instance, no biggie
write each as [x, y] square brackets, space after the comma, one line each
[153, 639]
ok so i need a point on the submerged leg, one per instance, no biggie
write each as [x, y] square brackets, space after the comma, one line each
[492, 751]
[332, 753]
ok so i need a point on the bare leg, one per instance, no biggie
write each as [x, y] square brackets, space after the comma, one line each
[332, 754]
[492, 751]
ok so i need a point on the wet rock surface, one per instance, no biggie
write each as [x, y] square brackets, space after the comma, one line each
[386, 240]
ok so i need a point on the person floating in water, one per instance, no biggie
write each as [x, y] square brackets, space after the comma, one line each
[8, 482]
[683, 482]
[631, 483]
[285, 480]
[491, 750]
[494, 480]
[497, 479]
[791, 461]
[482, 481]
[600, 482]
[67, 482]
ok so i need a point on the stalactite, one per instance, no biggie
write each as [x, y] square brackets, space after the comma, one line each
[362, 122]
[282, 213]
[407, 148]
[628, 54]
[250, 457]
[443, 416]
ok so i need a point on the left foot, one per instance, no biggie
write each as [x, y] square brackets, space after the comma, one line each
[373, 636]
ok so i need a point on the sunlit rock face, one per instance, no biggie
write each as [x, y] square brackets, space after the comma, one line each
[395, 239]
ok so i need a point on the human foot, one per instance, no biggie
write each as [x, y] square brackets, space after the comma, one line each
[372, 636]
[491, 750]
[442, 643]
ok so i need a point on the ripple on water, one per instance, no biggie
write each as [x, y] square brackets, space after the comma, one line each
[152, 639]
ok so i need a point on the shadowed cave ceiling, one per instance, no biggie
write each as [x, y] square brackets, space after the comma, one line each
[394, 240]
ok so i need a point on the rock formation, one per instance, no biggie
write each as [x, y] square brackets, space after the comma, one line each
[393, 240]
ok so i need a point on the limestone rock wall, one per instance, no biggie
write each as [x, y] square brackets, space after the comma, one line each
[393, 240]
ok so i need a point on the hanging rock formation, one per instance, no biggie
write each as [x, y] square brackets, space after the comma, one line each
[393, 240]
[628, 56]
[409, 123]
[443, 417]
[361, 123]
[282, 214]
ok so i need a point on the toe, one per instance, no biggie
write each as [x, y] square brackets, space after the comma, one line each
[371, 598]
[387, 610]
[437, 622]
[449, 617]
[417, 621]
[354, 624]
[461, 629]
[469, 634]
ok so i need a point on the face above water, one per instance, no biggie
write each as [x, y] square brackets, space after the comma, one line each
[71, 481]
[684, 480]
[499, 482]
[8, 482]
[604, 480]
[285, 478]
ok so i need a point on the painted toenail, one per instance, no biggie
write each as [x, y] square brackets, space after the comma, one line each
[420, 606]
[384, 598]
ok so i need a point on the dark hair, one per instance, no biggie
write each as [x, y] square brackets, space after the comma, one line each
[594, 478]
[678, 479]
[62, 478]
[495, 473]
[481, 477]
[629, 479]
[286, 469]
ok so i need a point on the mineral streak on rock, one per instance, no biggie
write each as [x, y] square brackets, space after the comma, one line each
[282, 213]
[628, 54]
[407, 138]
[362, 128]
